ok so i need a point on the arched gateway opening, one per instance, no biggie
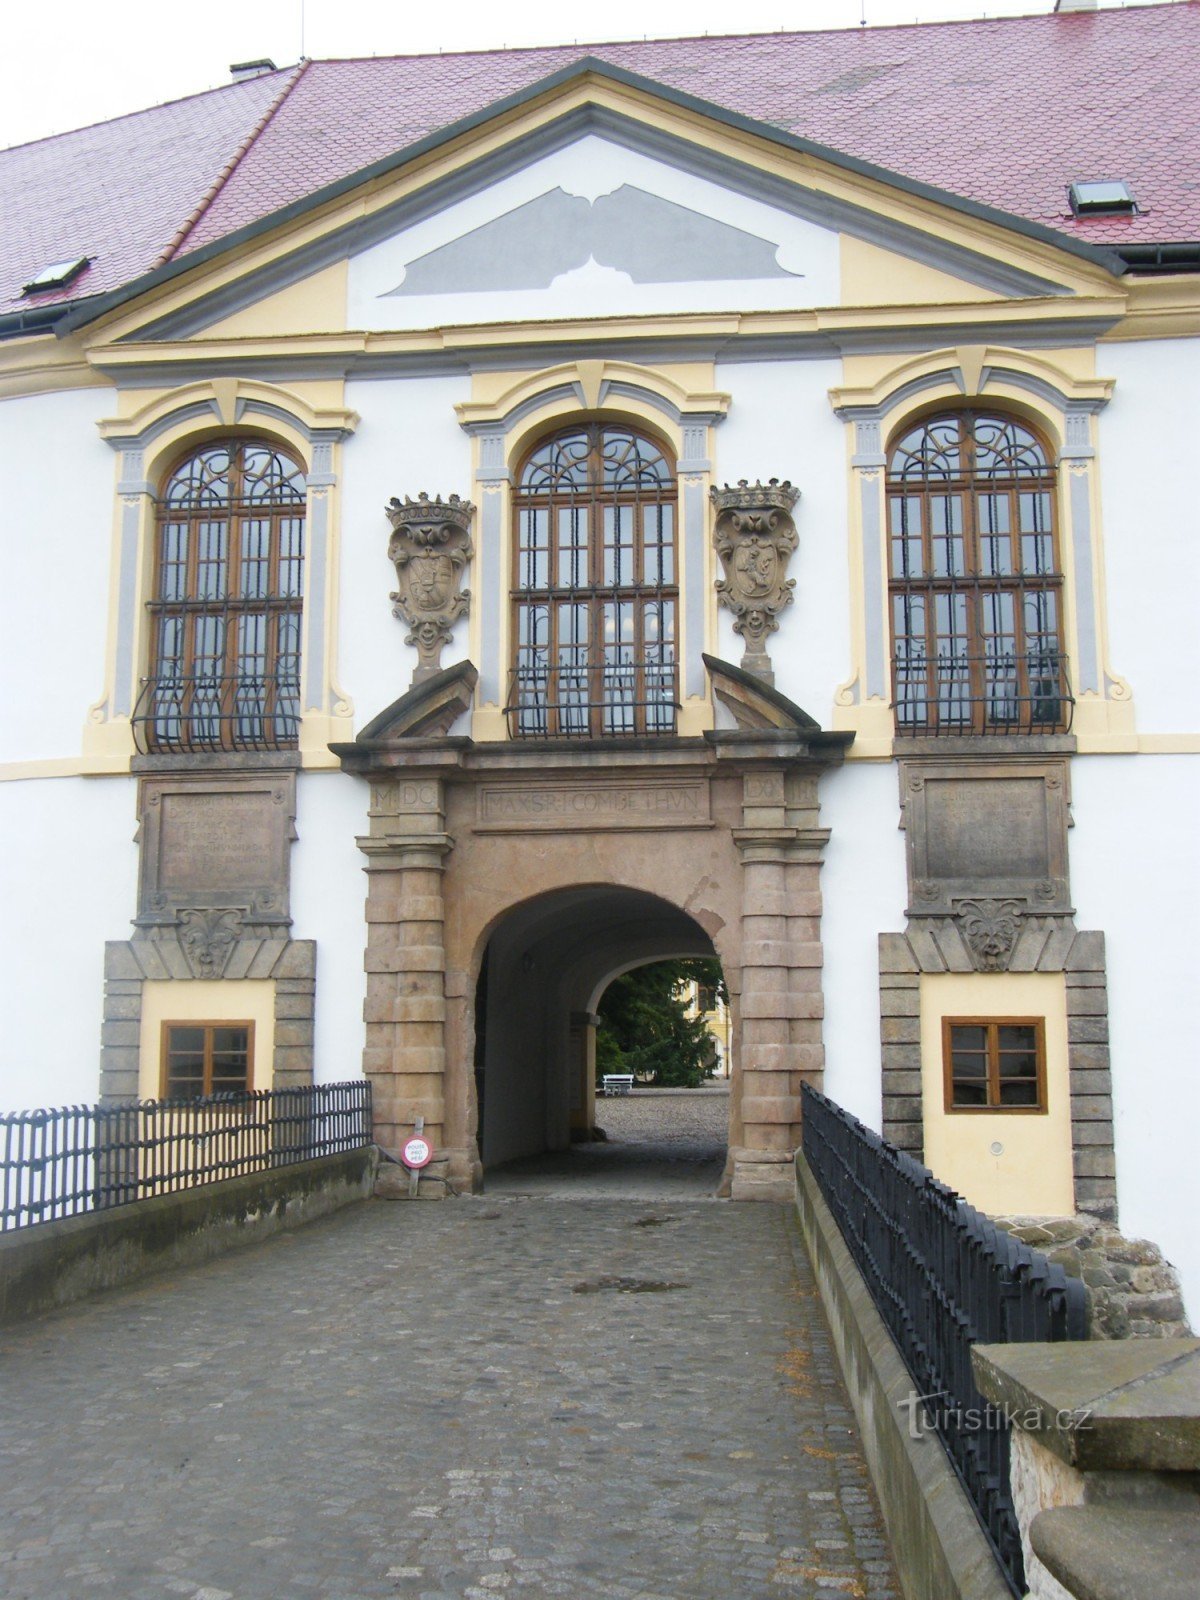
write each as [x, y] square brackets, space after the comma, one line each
[564, 862]
[546, 965]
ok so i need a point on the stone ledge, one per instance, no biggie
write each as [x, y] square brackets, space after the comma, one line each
[938, 1546]
[1119, 1552]
[54, 1263]
[1128, 1405]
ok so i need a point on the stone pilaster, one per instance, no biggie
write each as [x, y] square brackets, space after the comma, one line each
[405, 1011]
[781, 1002]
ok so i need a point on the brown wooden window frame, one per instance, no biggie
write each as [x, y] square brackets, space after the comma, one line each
[226, 612]
[589, 687]
[209, 1028]
[975, 613]
[993, 1105]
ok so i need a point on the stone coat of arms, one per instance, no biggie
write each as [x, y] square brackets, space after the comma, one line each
[429, 547]
[754, 537]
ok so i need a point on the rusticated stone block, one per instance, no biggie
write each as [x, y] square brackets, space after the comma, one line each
[1091, 1108]
[1094, 1163]
[1087, 953]
[900, 1002]
[1087, 1030]
[900, 1030]
[770, 1109]
[895, 956]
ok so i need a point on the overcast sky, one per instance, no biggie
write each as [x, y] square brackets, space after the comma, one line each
[65, 63]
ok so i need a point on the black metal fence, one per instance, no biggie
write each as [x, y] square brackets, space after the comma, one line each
[943, 1278]
[76, 1159]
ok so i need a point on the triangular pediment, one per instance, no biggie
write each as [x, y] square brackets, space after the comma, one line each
[603, 196]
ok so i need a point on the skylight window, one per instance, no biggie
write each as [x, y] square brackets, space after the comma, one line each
[57, 275]
[1101, 199]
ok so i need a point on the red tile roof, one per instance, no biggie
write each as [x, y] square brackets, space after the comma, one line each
[1006, 112]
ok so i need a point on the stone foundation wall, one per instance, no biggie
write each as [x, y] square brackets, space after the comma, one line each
[1133, 1293]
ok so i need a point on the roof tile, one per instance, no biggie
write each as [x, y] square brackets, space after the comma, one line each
[1006, 112]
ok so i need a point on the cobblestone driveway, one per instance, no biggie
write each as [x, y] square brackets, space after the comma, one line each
[455, 1400]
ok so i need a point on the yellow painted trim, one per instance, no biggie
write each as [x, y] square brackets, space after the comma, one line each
[1032, 1175]
[967, 364]
[205, 1000]
[589, 378]
[488, 726]
[1160, 308]
[225, 396]
[45, 364]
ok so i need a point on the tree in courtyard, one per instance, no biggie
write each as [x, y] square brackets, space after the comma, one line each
[645, 1028]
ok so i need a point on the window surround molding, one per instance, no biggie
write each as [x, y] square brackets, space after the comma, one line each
[1063, 405]
[149, 438]
[506, 416]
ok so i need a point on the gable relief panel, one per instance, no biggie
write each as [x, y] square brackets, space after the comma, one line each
[594, 229]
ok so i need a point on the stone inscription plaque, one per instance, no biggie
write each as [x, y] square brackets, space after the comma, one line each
[593, 805]
[987, 830]
[215, 841]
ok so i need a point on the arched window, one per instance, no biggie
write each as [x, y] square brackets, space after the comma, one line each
[595, 588]
[226, 608]
[975, 580]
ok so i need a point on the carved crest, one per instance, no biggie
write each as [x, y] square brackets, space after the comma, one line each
[207, 936]
[990, 929]
[429, 547]
[754, 537]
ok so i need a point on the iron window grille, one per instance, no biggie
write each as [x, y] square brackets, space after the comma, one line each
[976, 585]
[227, 608]
[595, 588]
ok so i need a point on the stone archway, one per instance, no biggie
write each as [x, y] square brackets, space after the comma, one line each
[547, 963]
[722, 830]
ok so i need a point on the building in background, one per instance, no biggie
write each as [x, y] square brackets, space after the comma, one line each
[474, 524]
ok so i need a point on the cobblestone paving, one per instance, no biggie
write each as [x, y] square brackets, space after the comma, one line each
[661, 1143]
[451, 1402]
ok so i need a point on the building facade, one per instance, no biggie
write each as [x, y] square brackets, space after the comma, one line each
[599, 523]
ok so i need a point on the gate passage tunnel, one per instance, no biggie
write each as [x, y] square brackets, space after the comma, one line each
[546, 966]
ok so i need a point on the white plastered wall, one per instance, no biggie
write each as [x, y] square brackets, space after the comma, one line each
[1152, 527]
[329, 891]
[1135, 873]
[58, 478]
[68, 875]
[780, 425]
[408, 441]
[863, 892]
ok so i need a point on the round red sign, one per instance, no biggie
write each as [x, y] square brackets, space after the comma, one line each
[417, 1153]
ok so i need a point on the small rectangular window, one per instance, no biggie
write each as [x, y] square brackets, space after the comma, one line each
[202, 1058]
[994, 1063]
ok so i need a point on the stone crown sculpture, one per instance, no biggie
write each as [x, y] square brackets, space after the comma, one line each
[754, 536]
[429, 547]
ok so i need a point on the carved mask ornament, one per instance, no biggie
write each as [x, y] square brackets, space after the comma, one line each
[429, 547]
[990, 929]
[754, 537]
[207, 937]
